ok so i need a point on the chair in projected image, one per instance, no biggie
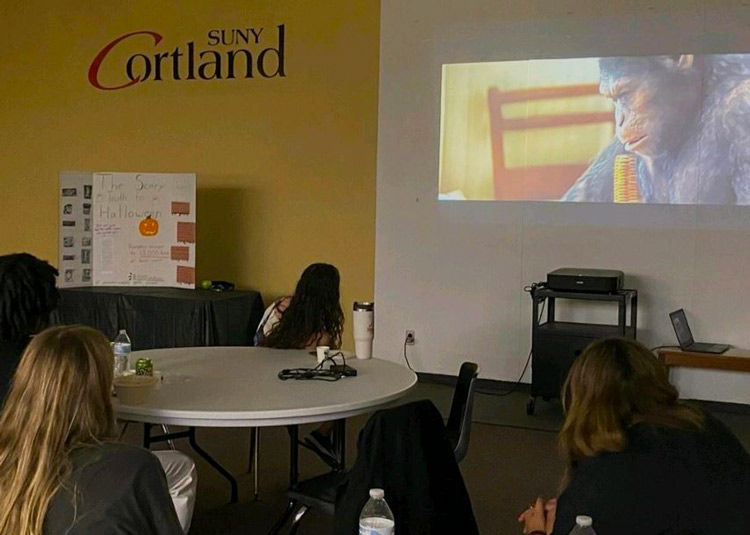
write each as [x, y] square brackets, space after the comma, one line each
[536, 182]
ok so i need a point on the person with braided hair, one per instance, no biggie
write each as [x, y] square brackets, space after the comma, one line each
[28, 295]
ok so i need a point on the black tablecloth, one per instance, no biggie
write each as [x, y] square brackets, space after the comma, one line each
[165, 317]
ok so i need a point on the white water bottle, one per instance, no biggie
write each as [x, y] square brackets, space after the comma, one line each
[583, 526]
[121, 347]
[376, 517]
[364, 329]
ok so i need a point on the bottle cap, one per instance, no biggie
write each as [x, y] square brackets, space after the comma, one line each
[583, 521]
[377, 494]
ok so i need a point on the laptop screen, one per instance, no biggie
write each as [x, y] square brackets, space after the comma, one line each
[681, 328]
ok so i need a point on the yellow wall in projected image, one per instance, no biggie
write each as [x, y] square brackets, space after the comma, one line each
[554, 152]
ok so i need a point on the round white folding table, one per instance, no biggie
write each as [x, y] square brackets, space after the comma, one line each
[240, 387]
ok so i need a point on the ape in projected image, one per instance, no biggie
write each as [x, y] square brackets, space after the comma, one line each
[682, 132]
[650, 129]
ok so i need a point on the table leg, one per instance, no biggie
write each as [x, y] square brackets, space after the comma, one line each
[293, 477]
[293, 455]
[190, 435]
[286, 515]
[256, 454]
[122, 430]
[147, 436]
[167, 433]
[213, 462]
[251, 457]
[340, 442]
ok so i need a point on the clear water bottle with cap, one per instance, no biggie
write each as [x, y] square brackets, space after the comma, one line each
[376, 517]
[583, 526]
[121, 347]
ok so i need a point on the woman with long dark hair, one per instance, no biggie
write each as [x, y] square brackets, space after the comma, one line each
[639, 460]
[309, 318]
[61, 470]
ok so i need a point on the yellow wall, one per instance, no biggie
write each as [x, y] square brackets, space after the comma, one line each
[285, 166]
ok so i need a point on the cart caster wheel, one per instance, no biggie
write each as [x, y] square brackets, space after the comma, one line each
[530, 406]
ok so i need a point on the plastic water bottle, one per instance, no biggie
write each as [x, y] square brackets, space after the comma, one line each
[121, 347]
[583, 526]
[376, 517]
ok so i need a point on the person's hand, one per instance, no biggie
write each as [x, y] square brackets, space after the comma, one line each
[534, 518]
[551, 509]
[540, 516]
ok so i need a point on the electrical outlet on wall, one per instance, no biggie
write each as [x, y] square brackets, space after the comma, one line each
[409, 338]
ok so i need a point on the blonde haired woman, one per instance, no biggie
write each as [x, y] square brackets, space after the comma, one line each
[60, 470]
[639, 461]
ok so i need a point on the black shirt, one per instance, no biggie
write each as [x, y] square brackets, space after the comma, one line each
[667, 481]
[10, 356]
[119, 490]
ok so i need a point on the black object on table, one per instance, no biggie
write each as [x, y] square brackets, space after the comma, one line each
[165, 317]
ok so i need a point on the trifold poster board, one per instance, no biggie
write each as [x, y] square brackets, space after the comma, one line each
[127, 229]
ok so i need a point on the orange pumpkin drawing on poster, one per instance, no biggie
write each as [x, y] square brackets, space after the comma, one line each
[149, 226]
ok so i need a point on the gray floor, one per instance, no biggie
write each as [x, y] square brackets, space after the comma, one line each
[512, 458]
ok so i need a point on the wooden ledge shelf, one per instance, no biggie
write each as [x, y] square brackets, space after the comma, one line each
[736, 360]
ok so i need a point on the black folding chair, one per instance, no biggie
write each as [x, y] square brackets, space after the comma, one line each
[320, 492]
[462, 406]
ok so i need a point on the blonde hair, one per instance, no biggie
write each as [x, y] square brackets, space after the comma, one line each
[59, 400]
[614, 384]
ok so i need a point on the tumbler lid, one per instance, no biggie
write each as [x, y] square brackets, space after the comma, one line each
[364, 305]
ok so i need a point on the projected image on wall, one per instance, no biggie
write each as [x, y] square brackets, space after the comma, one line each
[655, 129]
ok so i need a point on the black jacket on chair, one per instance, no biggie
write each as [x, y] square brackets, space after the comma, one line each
[406, 452]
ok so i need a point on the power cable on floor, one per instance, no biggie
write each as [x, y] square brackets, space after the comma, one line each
[525, 366]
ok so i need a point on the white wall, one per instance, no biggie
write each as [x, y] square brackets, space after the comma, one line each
[454, 271]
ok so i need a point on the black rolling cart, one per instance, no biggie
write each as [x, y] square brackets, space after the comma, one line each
[556, 344]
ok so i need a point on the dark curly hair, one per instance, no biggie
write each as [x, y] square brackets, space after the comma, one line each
[314, 310]
[28, 295]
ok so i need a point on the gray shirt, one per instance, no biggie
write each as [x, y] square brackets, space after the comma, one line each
[114, 489]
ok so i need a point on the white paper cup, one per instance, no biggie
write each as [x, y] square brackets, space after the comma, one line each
[322, 352]
[134, 389]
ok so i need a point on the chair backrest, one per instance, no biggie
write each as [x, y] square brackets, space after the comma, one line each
[459, 420]
[537, 182]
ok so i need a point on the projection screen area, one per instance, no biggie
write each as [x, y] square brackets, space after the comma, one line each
[649, 129]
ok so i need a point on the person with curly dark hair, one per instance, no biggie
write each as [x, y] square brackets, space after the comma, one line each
[28, 295]
[311, 317]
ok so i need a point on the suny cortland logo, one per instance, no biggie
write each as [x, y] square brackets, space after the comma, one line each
[229, 54]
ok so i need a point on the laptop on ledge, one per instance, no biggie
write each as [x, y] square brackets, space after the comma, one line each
[685, 336]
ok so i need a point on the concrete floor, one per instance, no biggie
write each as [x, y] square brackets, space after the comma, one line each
[512, 458]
